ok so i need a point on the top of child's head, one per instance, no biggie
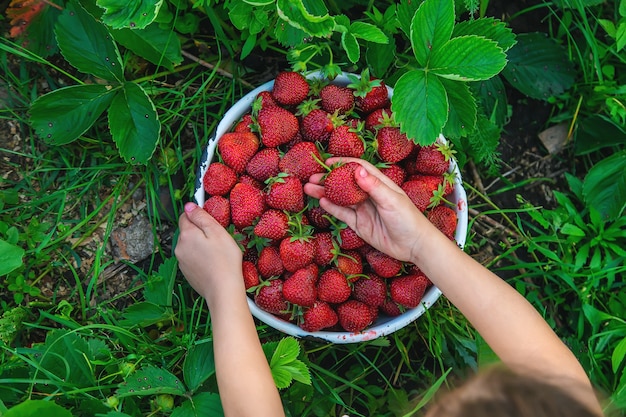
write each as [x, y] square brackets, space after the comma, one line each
[501, 392]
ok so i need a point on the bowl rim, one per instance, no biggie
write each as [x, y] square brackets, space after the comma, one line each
[384, 325]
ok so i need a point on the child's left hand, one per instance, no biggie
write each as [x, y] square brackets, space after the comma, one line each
[208, 256]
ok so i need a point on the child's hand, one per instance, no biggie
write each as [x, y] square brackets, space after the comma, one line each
[208, 256]
[387, 220]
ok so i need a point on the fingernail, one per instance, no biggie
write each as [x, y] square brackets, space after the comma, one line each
[189, 207]
[363, 172]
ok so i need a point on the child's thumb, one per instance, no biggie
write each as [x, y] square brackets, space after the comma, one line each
[199, 217]
[372, 185]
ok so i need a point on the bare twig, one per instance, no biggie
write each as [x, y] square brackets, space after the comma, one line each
[214, 68]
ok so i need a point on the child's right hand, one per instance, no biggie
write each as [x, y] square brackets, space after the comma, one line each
[387, 220]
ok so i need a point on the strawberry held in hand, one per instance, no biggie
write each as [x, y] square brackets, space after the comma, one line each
[340, 186]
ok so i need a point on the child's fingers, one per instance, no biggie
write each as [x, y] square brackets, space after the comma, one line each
[345, 214]
[314, 190]
[200, 218]
[316, 178]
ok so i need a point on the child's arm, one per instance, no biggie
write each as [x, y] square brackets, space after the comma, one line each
[510, 325]
[211, 261]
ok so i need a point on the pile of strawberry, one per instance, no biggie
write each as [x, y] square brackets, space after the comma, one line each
[300, 263]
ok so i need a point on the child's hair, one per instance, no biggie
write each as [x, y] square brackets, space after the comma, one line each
[504, 393]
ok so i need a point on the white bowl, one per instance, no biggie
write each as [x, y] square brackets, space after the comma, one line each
[384, 325]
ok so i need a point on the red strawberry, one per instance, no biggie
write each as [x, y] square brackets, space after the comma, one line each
[250, 274]
[377, 118]
[269, 262]
[333, 287]
[370, 93]
[247, 179]
[273, 224]
[317, 216]
[286, 193]
[317, 126]
[392, 145]
[236, 149]
[320, 316]
[300, 287]
[355, 316]
[246, 204]
[219, 179]
[302, 160]
[218, 207]
[264, 99]
[395, 172]
[296, 252]
[326, 248]
[371, 290]
[344, 141]
[390, 308]
[277, 126]
[244, 124]
[433, 159]
[383, 264]
[348, 239]
[264, 164]
[290, 88]
[270, 297]
[444, 218]
[408, 290]
[340, 186]
[350, 263]
[420, 193]
[335, 98]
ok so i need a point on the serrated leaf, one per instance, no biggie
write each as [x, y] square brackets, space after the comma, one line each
[134, 124]
[62, 115]
[151, 380]
[199, 365]
[483, 141]
[157, 45]
[380, 56]
[351, 46]
[420, 105]
[462, 109]
[10, 257]
[404, 12]
[145, 314]
[67, 355]
[288, 35]
[284, 363]
[294, 13]
[39, 33]
[487, 27]
[431, 27]
[368, 32]
[491, 95]
[286, 351]
[87, 45]
[37, 408]
[160, 285]
[604, 186]
[468, 58]
[134, 14]
[200, 405]
[538, 66]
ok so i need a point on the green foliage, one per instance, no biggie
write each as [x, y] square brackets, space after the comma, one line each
[33, 408]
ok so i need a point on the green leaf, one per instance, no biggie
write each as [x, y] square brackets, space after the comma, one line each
[405, 12]
[431, 27]
[491, 95]
[10, 257]
[618, 355]
[151, 380]
[483, 141]
[145, 314]
[40, 33]
[134, 124]
[380, 57]
[572, 230]
[604, 186]
[155, 44]
[596, 132]
[620, 36]
[286, 366]
[608, 26]
[87, 44]
[289, 35]
[160, 285]
[468, 58]
[462, 109]
[351, 46]
[200, 405]
[135, 14]
[37, 408]
[538, 66]
[62, 115]
[199, 365]
[368, 32]
[294, 13]
[487, 27]
[420, 105]
[429, 394]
